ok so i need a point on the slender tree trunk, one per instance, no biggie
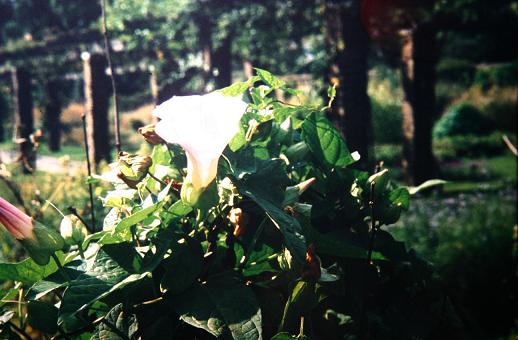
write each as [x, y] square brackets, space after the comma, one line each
[223, 62]
[418, 77]
[205, 40]
[97, 98]
[52, 122]
[22, 100]
[348, 38]
[335, 51]
[354, 74]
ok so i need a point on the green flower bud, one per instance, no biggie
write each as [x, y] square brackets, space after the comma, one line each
[72, 230]
[133, 168]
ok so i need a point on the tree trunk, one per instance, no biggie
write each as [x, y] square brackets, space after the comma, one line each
[354, 74]
[348, 39]
[223, 62]
[52, 123]
[97, 98]
[205, 40]
[22, 100]
[418, 110]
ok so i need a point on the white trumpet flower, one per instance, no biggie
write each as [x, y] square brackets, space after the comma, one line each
[202, 126]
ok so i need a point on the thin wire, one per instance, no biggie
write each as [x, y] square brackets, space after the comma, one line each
[107, 50]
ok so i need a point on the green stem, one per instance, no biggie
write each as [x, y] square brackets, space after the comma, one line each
[257, 234]
[61, 268]
[157, 179]
[19, 330]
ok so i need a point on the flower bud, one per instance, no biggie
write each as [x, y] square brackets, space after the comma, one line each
[149, 134]
[239, 221]
[39, 241]
[15, 221]
[72, 230]
[133, 168]
[311, 269]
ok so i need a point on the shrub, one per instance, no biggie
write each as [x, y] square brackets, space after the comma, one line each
[463, 119]
[469, 238]
[456, 71]
[386, 123]
[468, 146]
[497, 75]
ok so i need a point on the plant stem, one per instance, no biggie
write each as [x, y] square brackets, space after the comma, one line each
[373, 230]
[89, 170]
[157, 179]
[107, 50]
[257, 234]
[61, 268]
[19, 330]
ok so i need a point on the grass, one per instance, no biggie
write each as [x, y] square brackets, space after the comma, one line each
[469, 239]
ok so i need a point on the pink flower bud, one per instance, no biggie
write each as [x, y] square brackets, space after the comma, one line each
[15, 221]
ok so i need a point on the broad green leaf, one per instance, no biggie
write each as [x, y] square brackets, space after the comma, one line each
[325, 141]
[27, 271]
[115, 266]
[122, 232]
[400, 197]
[222, 304]
[337, 243]
[428, 184]
[237, 305]
[117, 322]
[301, 301]
[55, 280]
[43, 316]
[266, 187]
[183, 266]
[239, 88]
[176, 211]
[269, 78]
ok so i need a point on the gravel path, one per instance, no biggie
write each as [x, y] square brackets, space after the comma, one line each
[46, 163]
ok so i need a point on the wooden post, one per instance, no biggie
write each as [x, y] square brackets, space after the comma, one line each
[97, 98]
[348, 43]
[22, 100]
[153, 84]
[418, 58]
[52, 112]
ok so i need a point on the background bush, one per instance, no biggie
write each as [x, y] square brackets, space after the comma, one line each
[462, 119]
[469, 239]
[456, 71]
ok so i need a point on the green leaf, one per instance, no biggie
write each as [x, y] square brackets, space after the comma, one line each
[183, 266]
[176, 211]
[43, 316]
[266, 187]
[122, 231]
[301, 301]
[27, 271]
[196, 308]
[428, 184]
[239, 88]
[400, 197]
[115, 266]
[118, 324]
[269, 78]
[223, 302]
[325, 141]
[337, 243]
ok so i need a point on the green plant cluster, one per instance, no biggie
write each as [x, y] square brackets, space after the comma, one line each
[498, 75]
[462, 119]
[469, 239]
[292, 248]
[471, 146]
[456, 71]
